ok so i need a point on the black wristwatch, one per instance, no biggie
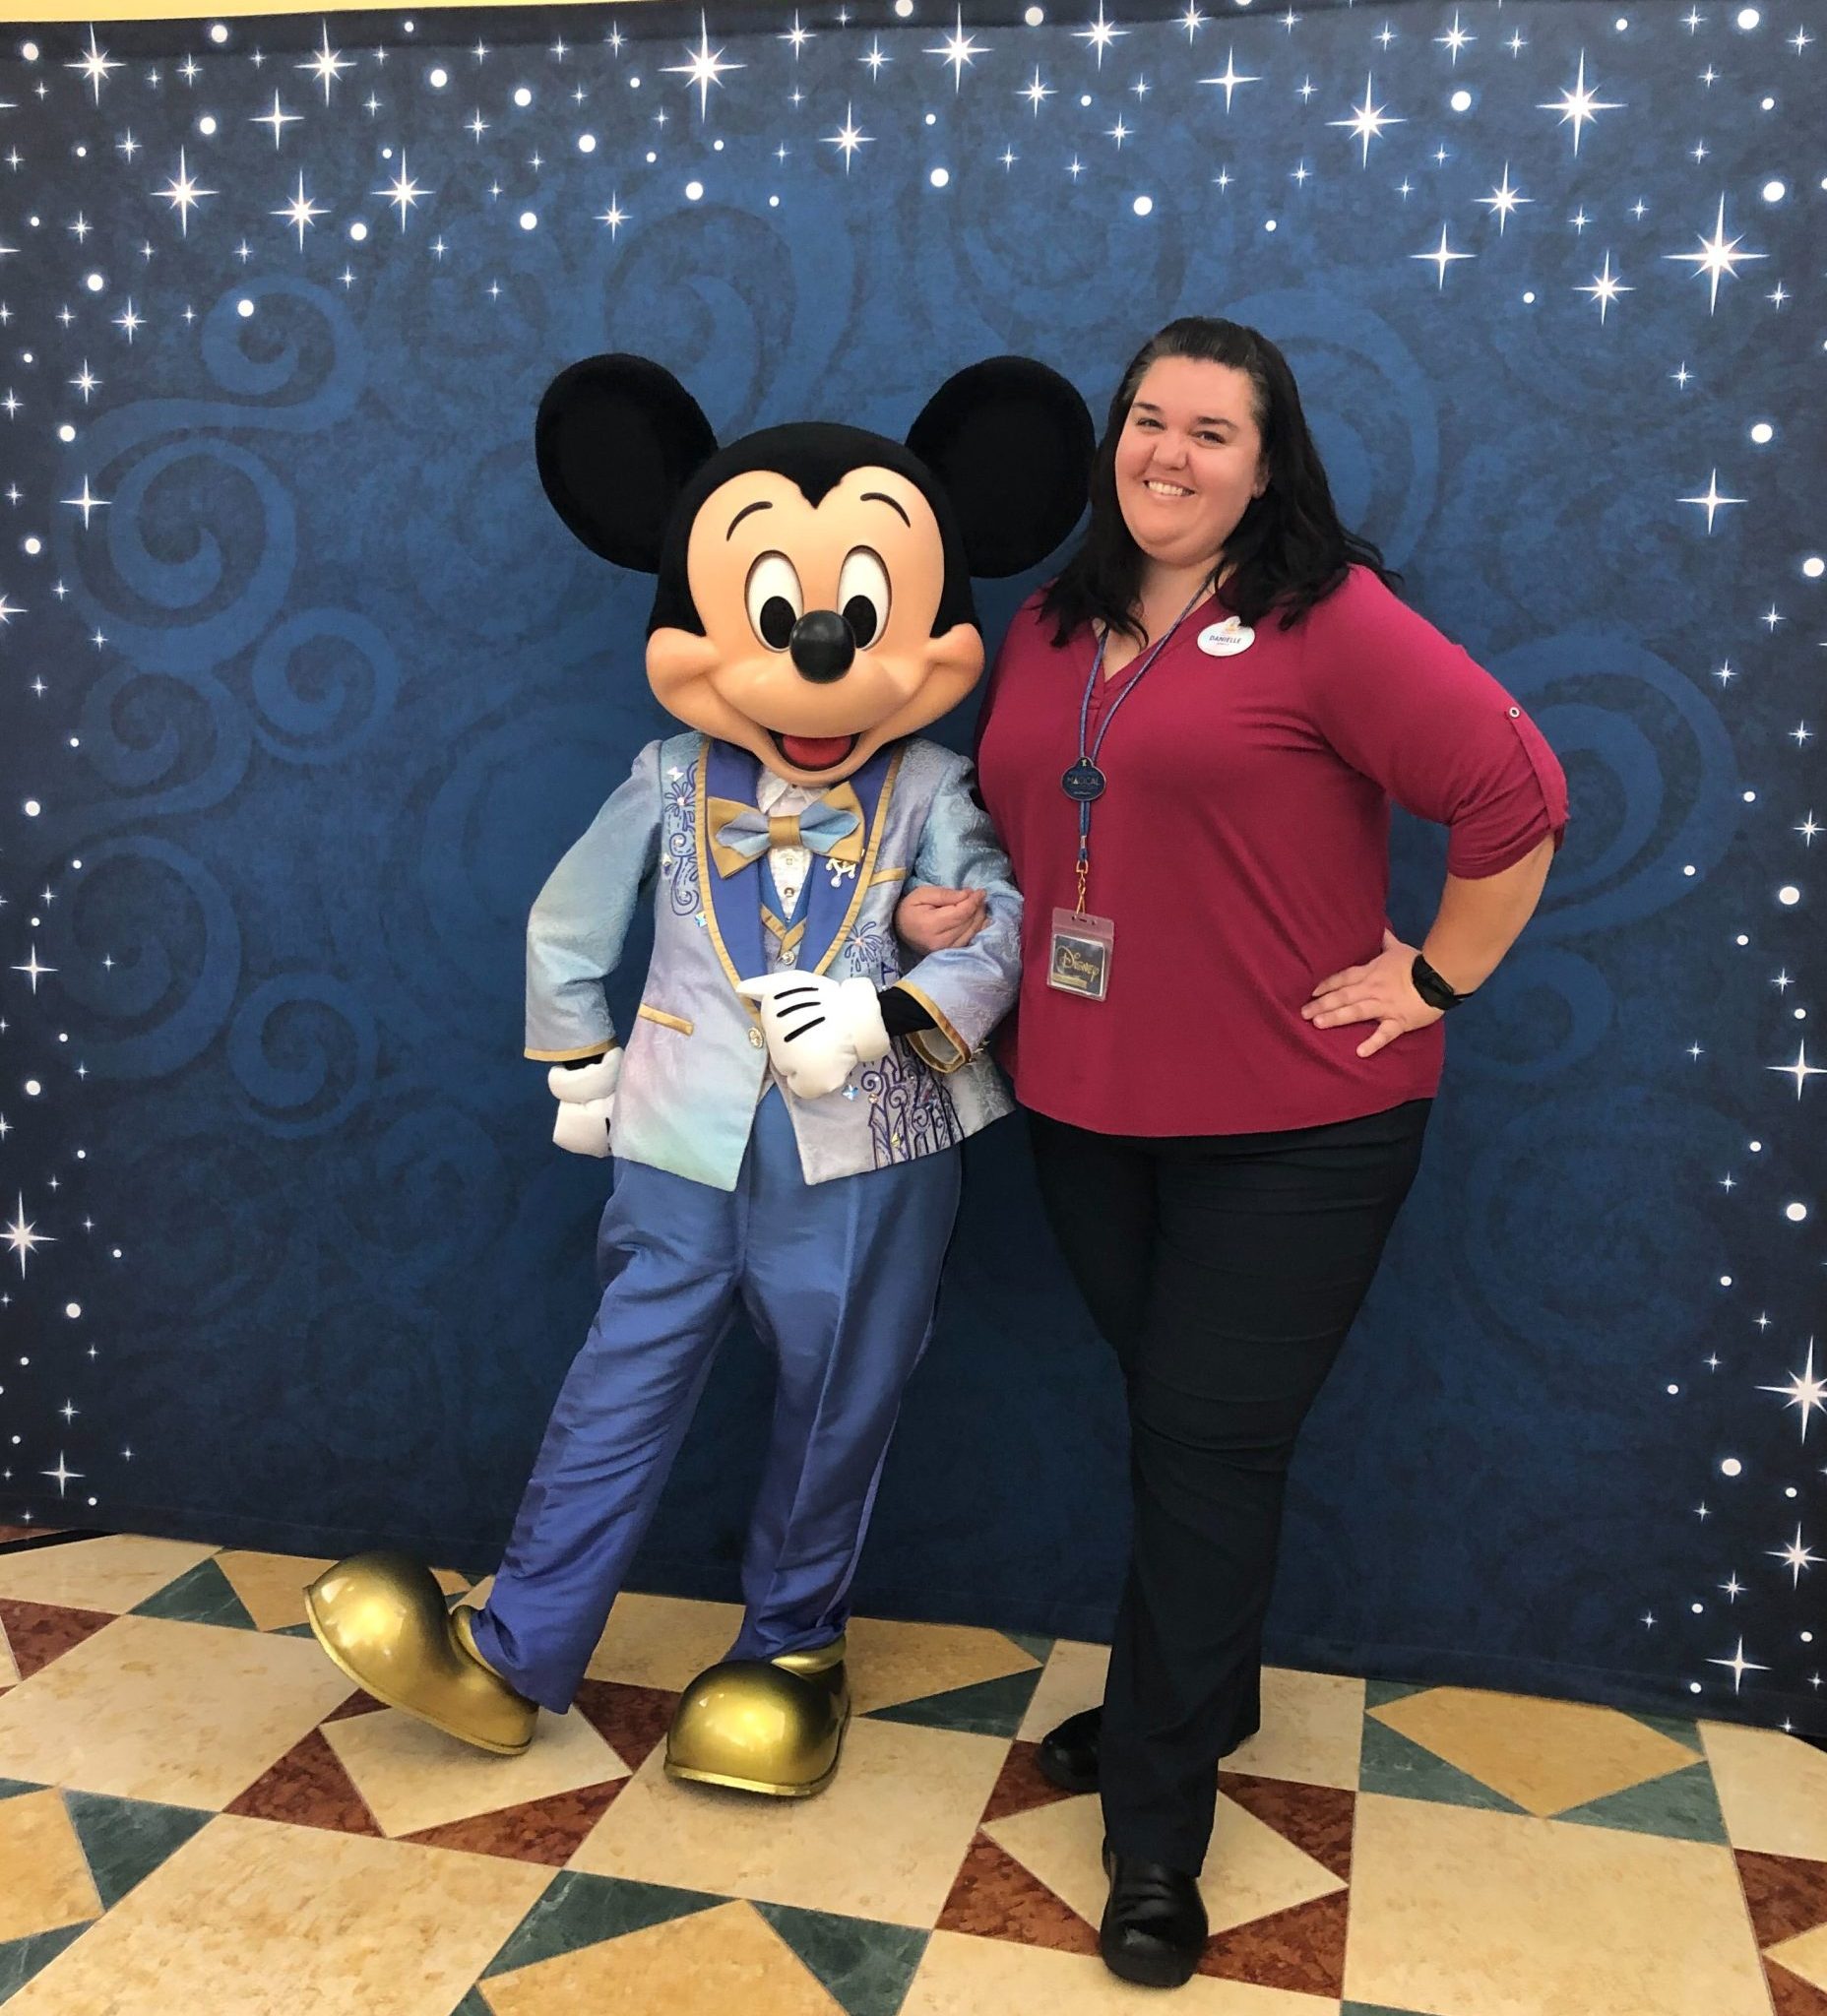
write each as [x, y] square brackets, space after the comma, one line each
[1431, 987]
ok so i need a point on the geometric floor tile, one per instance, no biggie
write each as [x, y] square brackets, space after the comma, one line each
[582, 1911]
[307, 1788]
[411, 1776]
[9, 1672]
[990, 1708]
[112, 1573]
[1772, 1789]
[994, 1897]
[965, 1976]
[21, 1959]
[37, 1632]
[203, 1596]
[270, 1920]
[1397, 1768]
[632, 1720]
[1312, 1730]
[1790, 1994]
[548, 1830]
[186, 1715]
[893, 1663]
[661, 1641]
[1073, 1678]
[866, 1967]
[1783, 1896]
[1455, 1911]
[271, 1587]
[718, 1962]
[126, 1839]
[883, 1840]
[1542, 1756]
[1805, 1955]
[1683, 1805]
[44, 1879]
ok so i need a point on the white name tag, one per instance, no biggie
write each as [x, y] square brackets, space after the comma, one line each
[1226, 639]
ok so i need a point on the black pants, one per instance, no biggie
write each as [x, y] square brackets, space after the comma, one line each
[1225, 1271]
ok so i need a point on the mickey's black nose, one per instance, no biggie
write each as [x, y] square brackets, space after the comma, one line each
[821, 646]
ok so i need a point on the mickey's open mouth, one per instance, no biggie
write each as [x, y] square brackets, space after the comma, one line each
[813, 752]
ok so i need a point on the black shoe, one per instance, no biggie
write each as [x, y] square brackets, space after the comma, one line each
[1068, 1755]
[1154, 1925]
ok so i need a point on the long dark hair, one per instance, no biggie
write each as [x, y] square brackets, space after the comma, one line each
[1289, 550]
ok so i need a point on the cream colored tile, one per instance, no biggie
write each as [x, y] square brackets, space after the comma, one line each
[271, 1586]
[663, 1641]
[1312, 1730]
[1073, 1680]
[413, 1776]
[1249, 1871]
[1545, 1755]
[1772, 1789]
[709, 1964]
[9, 1670]
[961, 1976]
[1454, 1908]
[116, 1572]
[883, 1840]
[254, 1919]
[1805, 1955]
[147, 1709]
[44, 1879]
[893, 1663]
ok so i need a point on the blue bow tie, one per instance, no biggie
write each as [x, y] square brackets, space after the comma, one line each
[740, 834]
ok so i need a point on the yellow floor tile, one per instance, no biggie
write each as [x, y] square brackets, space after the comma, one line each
[9, 1672]
[413, 1776]
[1073, 1680]
[1546, 1757]
[966, 1976]
[254, 1919]
[663, 1641]
[883, 1840]
[44, 1879]
[1772, 1789]
[1502, 1915]
[1806, 1956]
[147, 1709]
[271, 1586]
[116, 1572]
[1249, 1871]
[710, 1963]
[892, 1663]
[1312, 1730]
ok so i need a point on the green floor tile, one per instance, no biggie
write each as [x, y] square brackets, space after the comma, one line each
[1403, 1770]
[1678, 1729]
[9, 1787]
[1372, 2009]
[1381, 1693]
[1034, 1646]
[1684, 1806]
[990, 1708]
[473, 2004]
[582, 1911]
[865, 1966]
[126, 1839]
[21, 1959]
[204, 1596]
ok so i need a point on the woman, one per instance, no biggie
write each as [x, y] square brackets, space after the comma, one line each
[1190, 746]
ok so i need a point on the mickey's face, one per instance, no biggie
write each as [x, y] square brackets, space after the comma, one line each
[817, 645]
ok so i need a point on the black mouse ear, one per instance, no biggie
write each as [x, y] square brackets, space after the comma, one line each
[1011, 443]
[617, 439]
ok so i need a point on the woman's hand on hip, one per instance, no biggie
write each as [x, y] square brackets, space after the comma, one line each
[1382, 993]
[932, 919]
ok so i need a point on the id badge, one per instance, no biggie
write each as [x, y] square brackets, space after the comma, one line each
[1079, 959]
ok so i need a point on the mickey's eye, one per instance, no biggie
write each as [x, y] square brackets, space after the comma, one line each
[862, 596]
[776, 602]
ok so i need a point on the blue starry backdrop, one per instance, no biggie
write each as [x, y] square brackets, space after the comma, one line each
[305, 689]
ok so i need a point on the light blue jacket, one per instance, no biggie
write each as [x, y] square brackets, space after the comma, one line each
[696, 1059]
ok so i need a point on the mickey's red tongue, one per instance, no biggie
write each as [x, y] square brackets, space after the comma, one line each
[816, 752]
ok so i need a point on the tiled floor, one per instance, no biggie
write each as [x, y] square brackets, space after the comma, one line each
[197, 1814]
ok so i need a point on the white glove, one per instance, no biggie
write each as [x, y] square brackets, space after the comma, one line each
[818, 1029]
[586, 1099]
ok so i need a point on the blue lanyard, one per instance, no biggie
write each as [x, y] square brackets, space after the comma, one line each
[1085, 783]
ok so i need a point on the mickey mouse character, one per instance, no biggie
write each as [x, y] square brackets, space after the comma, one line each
[786, 1113]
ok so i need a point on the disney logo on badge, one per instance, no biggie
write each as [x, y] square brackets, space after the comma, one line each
[1226, 639]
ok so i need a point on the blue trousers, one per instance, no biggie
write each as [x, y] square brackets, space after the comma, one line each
[840, 1281]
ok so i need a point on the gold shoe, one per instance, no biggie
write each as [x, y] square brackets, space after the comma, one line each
[384, 1620]
[768, 1725]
